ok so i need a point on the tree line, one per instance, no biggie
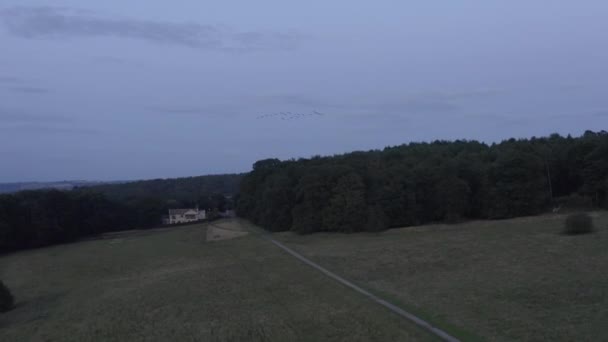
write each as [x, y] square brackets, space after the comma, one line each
[418, 183]
[39, 218]
[186, 189]
[398, 186]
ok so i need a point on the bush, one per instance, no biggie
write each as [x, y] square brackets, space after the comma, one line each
[7, 302]
[580, 223]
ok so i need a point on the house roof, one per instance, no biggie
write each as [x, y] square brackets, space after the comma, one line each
[180, 211]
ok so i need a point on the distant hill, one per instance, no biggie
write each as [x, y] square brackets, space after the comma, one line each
[61, 185]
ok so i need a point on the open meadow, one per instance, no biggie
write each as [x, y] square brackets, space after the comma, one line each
[512, 280]
[505, 280]
[174, 285]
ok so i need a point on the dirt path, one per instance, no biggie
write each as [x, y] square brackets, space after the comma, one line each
[217, 232]
[394, 308]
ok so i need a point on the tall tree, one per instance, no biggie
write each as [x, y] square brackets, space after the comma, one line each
[347, 210]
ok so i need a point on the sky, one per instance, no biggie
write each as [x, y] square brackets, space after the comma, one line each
[120, 90]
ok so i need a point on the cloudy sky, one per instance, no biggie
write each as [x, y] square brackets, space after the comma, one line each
[135, 89]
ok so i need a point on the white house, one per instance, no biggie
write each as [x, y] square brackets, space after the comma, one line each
[184, 216]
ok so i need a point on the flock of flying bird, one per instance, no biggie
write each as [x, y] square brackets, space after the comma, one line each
[290, 115]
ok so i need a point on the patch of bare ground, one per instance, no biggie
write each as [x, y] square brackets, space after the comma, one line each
[226, 230]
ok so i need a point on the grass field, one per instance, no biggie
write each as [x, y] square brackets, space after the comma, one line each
[513, 280]
[174, 285]
[495, 280]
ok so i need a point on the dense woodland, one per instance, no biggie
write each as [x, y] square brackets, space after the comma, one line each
[45, 217]
[420, 183]
[183, 190]
[399, 186]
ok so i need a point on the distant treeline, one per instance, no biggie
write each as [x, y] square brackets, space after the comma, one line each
[186, 190]
[420, 183]
[44, 217]
[61, 185]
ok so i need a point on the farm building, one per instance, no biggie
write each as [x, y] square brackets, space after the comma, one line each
[184, 216]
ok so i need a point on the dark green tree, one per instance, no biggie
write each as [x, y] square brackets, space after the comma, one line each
[347, 209]
[419, 183]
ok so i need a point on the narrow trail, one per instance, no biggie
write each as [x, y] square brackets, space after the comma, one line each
[392, 307]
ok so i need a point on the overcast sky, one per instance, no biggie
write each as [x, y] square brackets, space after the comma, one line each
[105, 90]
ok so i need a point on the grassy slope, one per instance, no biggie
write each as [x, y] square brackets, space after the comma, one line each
[173, 286]
[504, 280]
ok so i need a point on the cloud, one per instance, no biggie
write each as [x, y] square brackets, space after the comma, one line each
[62, 23]
[577, 116]
[13, 120]
[112, 60]
[570, 87]
[471, 94]
[28, 90]
[13, 116]
[187, 111]
[402, 108]
[408, 104]
[9, 79]
[53, 129]
[211, 110]
[19, 85]
[297, 100]
[500, 120]
[415, 105]
[603, 113]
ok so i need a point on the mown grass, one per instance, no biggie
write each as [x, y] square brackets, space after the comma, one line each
[512, 280]
[172, 285]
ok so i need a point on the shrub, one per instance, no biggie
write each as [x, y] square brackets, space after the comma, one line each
[580, 223]
[7, 302]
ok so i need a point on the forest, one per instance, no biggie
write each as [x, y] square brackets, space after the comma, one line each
[184, 190]
[418, 183]
[398, 186]
[37, 218]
